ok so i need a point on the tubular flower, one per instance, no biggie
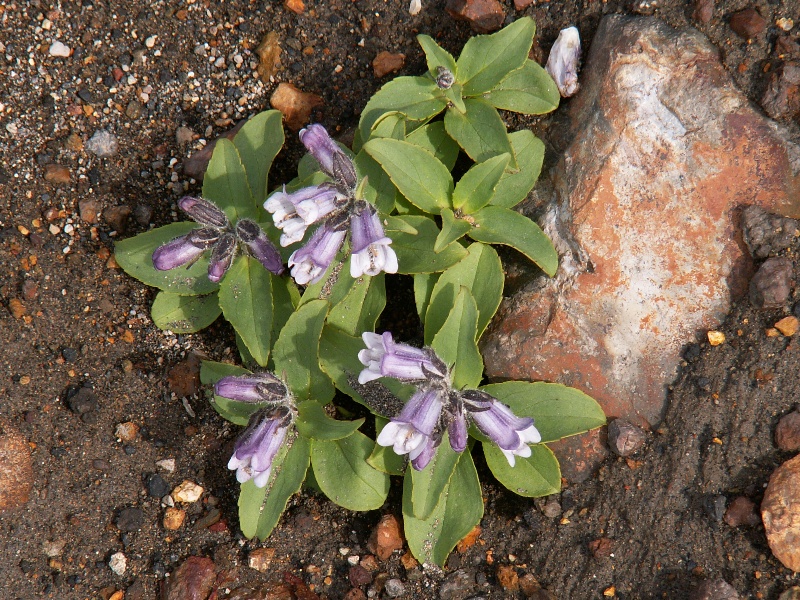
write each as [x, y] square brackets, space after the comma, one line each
[511, 433]
[383, 357]
[310, 262]
[257, 447]
[203, 211]
[185, 249]
[255, 388]
[320, 145]
[259, 245]
[222, 257]
[370, 252]
[411, 431]
[294, 212]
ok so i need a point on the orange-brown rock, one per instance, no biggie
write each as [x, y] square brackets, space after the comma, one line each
[780, 511]
[16, 468]
[483, 15]
[269, 54]
[386, 63]
[644, 210]
[295, 105]
[386, 537]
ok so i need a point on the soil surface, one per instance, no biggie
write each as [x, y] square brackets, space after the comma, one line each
[81, 356]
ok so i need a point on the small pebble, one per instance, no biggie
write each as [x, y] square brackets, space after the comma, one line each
[747, 23]
[130, 519]
[386, 537]
[719, 589]
[624, 438]
[260, 559]
[127, 432]
[787, 432]
[59, 49]
[118, 563]
[168, 464]
[174, 518]
[552, 508]
[788, 325]
[56, 173]
[394, 588]
[715, 338]
[741, 511]
[187, 492]
[69, 354]
[780, 512]
[103, 144]
[157, 487]
[771, 286]
[792, 593]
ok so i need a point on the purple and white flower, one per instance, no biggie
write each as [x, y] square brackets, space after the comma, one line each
[511, 433]
[184, 250]
[370, 252]
[255, 450]
[412, 430]
[331, 158]
[383, 357]
[294, 212]
[310, 262]
[222, 257]
[254, 388]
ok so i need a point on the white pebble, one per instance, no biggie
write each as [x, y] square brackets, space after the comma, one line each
[59, 49]
[118, 563]
[564, 61]
[151, 41]
[54, 229]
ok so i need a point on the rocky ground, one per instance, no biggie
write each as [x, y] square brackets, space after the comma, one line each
[102, 415]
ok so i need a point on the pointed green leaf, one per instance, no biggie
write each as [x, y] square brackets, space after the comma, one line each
[429, 484]
[312, 422]
[514, 186]
[343, 474]
[296, 352]
[338, 357]
[415, 252]
[453, 95]
[479, 131]
[258, 143]
[433, 138]
[245, 296]
[135, 256]
[455, 343]
[488, 59]
[226, 185]
[436, 56]
[416, 97]
[496, 225]
[452, 229]
[379, 189]
[390, 125]
[460, 509]
[417, 173]
[359, 310]
[184, 314]
[558, 411]
[535, 476]
[423, 288]
[285, 297]
[383, 458]
[476, 188]
[529, 90]
[481, 272]
[230, 410]
[260, 509]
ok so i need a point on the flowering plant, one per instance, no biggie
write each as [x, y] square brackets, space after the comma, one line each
[350, 218]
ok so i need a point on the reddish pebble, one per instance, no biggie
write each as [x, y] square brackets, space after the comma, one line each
[747, 23]
[386, 63]
[742, 511]
[386, 537]
[483, 15]
[787, 432]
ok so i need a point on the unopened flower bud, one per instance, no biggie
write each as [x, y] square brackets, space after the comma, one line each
[256, 387]
[222, 257]
[203, 211]
[185, 249]
[259, 245]
[444, 78]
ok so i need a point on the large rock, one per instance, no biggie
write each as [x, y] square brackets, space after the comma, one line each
[780, 511]
[664, 154]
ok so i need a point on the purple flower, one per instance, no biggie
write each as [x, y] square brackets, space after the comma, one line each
[255, 388]
[293, 212]
[383, 357]
[222, 257]
[511, 433]
[412, 430]
[428, 452]
[310, 262]
[457, 431]
[185, 249]
[203, 211]
[371, 253]
[257, 447]
[259, 245]
[332, 160]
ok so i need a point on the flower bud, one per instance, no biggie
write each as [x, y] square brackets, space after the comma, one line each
[184, 250]
[222, 257]
[203, 211]
[259, 245]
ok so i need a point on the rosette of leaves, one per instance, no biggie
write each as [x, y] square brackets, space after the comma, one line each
[255, 302]
[327, 453]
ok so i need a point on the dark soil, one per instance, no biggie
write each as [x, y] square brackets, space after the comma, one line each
[80, 322]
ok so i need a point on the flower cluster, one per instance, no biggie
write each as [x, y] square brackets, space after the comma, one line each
[256, 448]
[220, 237]
[336, 208]
[436, 407]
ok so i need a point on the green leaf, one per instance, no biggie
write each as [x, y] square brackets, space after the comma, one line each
[452, 229]
[515, 186]
[296, 352]
[436, 56]
[258, 143]
[453, 95]
[487, 59]
[481, 272]
[379, 189]
[476, 188]
[415, 253]
[429, 484]
[417, 173]
[359, 310]
[184, 314]
[423, 288]
[342, 472]
[479, 131]
[460, 509]
[135, 256]
[226, 185]
[496, 225]
[285, 297]
[383, 458]
[245, 296]
[433, 138]
[390, 125]
[230, 410]
[558, 411]
[537, 475]
[338, 358]
[312, 422]
[529, 90]
[455, 343]
[416, 97]
[260, 509]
